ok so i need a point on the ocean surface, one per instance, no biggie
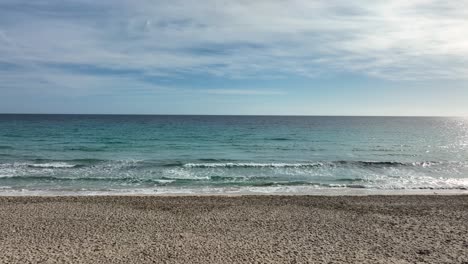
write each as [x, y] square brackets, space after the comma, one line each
[119, 154]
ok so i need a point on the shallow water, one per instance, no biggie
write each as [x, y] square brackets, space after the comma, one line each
[115, 154]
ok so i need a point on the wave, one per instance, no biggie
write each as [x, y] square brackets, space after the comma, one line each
[62, 164]
[387, 163]
[85, 160]
[220, 164]
[251, 165]
[43, 165]
[314, 164]
[92, 179]
[48, 165]
[54, 165]
[228, 182]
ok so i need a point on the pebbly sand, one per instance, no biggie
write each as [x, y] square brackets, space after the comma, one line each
[243, 229]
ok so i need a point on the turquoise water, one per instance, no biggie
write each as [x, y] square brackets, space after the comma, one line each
[158, 154]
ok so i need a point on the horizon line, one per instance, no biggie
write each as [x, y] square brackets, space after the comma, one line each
[272, 115]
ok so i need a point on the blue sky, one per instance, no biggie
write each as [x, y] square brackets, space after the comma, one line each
[296, 57]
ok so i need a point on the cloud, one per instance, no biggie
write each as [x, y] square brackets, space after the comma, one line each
[242, 92]
[396, 39]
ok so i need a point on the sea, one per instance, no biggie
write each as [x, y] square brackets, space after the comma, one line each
[190, 154]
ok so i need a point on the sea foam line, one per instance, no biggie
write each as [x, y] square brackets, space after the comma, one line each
[315, 164]
[251, 165]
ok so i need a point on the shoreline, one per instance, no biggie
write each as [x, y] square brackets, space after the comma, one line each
[224, 192]
[234, 229]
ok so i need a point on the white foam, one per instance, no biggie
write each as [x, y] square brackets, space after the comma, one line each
[231, 191]
[51, 165]
[250, 165]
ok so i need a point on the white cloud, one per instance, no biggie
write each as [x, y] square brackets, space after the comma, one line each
[395, 39]
[241, 92]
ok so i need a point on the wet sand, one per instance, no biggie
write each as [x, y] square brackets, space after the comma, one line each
[243, 229]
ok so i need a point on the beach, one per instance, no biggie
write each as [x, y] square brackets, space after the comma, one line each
[234, 229]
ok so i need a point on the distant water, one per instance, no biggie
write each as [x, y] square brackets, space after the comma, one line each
[92, 154]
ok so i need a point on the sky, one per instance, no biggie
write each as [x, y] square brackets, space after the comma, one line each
[264, 57]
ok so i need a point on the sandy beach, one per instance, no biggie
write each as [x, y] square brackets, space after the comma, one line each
[243, 229]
